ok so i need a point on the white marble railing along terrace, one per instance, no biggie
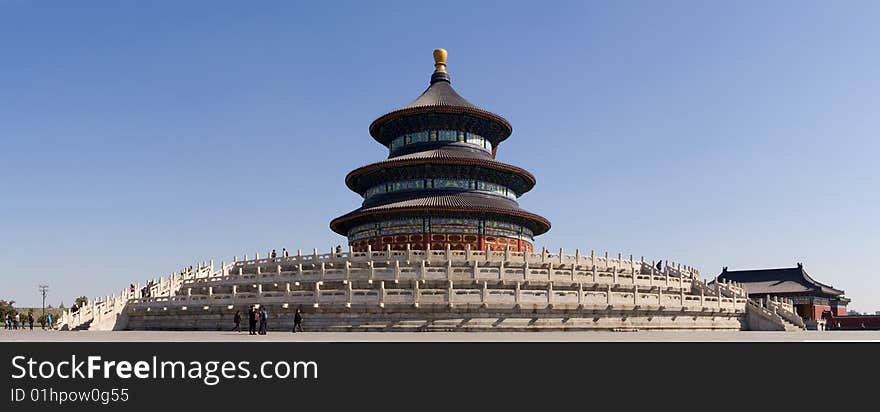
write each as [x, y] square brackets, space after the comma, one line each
[560, 259]
[484, 297]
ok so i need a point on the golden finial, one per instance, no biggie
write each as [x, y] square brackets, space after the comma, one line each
[440, 60]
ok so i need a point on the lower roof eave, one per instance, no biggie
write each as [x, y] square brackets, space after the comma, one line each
[537, 224]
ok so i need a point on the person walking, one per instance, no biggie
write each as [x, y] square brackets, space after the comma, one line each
[252, 320]
[49, 320]
[264, 319]
[297, 321]
[15, 321]
[660, 266]
[284, 252]
[31, 320]
[272, 255]
[237, 320]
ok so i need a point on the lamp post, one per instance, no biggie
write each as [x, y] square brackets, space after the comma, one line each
[44, 289]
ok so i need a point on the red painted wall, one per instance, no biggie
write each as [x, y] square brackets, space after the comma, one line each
[818, 309]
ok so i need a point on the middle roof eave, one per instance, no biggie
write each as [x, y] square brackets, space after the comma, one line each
[437, 156]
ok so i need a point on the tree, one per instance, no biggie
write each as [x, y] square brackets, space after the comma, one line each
[61, 306]
[6, 307]
[81, 301]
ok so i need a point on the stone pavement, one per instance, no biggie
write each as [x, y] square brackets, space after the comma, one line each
[646, 336]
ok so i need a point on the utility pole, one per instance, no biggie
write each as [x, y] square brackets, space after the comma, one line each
[44, 289]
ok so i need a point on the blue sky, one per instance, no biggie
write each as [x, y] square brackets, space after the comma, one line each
[140, 137]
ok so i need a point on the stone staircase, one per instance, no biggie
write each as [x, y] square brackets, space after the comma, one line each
[84, 326]
[772, 315]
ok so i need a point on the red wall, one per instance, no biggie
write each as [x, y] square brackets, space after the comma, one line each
[818, 309]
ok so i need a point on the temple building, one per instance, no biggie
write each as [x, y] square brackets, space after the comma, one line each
[440, 184]
[441, 244]
[809, 297]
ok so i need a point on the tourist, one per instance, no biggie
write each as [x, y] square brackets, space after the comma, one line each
[16, 321]
[272, 254]
[284, 251]
[264, 318]
[660, 265]
[297, 321]
[237, 320]
[49, 320]
[8, 321]
[252, 320]
[31, 320]
[131, 290]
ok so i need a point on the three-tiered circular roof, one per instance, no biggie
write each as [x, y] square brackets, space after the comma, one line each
[440, 107]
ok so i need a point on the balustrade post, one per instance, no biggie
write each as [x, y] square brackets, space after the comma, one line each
[608, 295]
[423, 275]
[580, 295]
[635, 295]
[632, 266]
[594, 269]
[210, 291]
[348, 271]
[550, 294]
[317, 292]
[235, 291]
[449, 294]
[287, 289]
[517, 297]
[485, 294]
[593, 261]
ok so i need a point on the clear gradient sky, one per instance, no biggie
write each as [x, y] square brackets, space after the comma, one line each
[140, 137]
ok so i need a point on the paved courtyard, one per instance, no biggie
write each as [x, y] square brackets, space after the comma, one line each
[646, 336]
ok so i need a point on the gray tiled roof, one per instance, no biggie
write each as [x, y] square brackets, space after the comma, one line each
[776, 281]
